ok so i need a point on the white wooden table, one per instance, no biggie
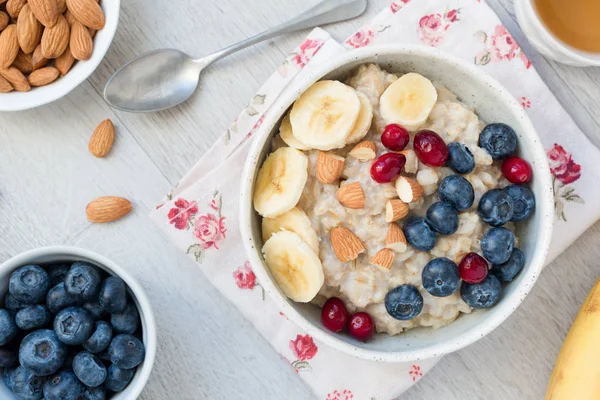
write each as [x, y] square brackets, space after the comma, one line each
[206, 349]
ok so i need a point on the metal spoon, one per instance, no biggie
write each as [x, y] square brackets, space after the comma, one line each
[164, 78]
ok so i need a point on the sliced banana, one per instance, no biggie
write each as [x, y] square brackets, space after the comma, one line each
[285, 132]
[295, 266]
[364, 120]
[324, 115]
[408, 101]
[280, 182]
[295, 221]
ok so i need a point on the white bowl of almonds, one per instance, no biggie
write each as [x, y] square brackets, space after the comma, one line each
[48, 47]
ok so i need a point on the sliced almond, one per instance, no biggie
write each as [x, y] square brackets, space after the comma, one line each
[329, 167]
[9, 46]
[23, 63]
[346, 245]
[15, 78]
[395, 239]
[13, 7]
[88, 12]
[412, 162]
[395, 209]
[56, 39]
[107, 209]
[38, 60]
[383, 259]
[29, 30]
[43, 76]
[351, 195]
[102, 139]
[364, 151]
[4, 20]
[64, 62]
[46, 11]
[5, 85]
[408, 189]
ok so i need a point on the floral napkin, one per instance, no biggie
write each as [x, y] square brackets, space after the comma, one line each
[200, 215]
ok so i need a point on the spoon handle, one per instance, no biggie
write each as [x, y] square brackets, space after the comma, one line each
[326, 12]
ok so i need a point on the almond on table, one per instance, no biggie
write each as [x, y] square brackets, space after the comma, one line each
[102, 139]
[107, 209]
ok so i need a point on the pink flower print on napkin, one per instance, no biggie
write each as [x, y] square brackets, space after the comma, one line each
[415, 372]
[525, 102]
[181, 214]
[432, 28]
[397, 5]
[361, 38]
[307, 50]
[499, 46]
[337, 395]
[304, 349]
[210, 230]
[564, 171]
[244, 277]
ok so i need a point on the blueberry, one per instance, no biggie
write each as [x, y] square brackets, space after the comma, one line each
[8, 356]
[57, 273]
[457, 191]
[496, 207]
[440, 277]
[58, 299]
[100, 339]
[482, 295]
[29, 284]
[118, 378]
[97, 393]
[89, 369]
[497, 245]
[113, 294]
[442, 217]
[12, 304]
[42, 353]
[126, 351]
[74, 325]
[499, 140]
[419, 234]
[524, 202]
[63, 386]
[460, 158]
[95, 309]
[83, 280]
[8, 327]
[8, 377]
[404, 302]
[27, 386]
[126, 321]
[507, 271]
[33, 317]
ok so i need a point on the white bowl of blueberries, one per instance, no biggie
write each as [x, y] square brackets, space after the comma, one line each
[73, 325]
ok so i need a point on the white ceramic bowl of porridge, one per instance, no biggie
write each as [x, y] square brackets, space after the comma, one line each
[402, 341]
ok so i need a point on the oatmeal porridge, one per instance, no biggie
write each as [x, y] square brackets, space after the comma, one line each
[388, 193]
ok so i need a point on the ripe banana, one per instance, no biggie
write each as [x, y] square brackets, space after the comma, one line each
[295, 221]
[576, 375]
[280, 182]
[294, 265]
[324, 115]
[285, 132]
[364, 120]
[408, 101]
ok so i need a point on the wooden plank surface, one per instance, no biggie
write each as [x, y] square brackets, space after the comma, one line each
[206, 349]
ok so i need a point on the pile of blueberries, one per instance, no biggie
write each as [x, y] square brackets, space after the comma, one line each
[68, 332]
[481, 286]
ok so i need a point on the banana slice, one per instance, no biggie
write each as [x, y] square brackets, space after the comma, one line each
[408, 101]
[285, 132]
[294, 265]
[325, 115]
[280, 182]
[295, 221]
[364, 120]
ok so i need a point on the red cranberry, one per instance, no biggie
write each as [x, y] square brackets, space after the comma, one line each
[334, 314]
[516, 170]
[387, 167]
[430, 148]
[473, 268]
[361, 326]
[395, 137]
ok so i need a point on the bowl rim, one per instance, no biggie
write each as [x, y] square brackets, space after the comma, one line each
[142, 374]
[544, 205]
[40, 96]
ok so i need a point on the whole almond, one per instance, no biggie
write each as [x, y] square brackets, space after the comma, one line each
[43, 76]
[107, 209]
[351, 195]
[61, 6]
[23, 62]
[9, 46]
[16, 79]
[56, 39]
[29, 30]
[5, 85]
[13, 7]
[102, 139]
[70, 17]
[88, 12]
[81, 43]
[64, 62]
[46, 11]
[38, 59]
[4, 20]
